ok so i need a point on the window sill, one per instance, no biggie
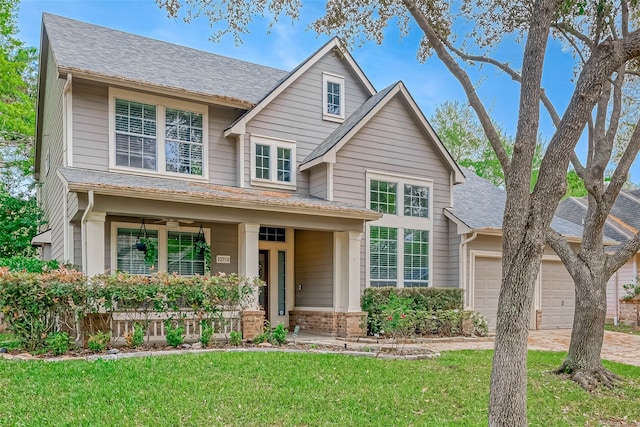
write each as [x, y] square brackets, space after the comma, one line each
[272, 184]
[150, 173]
[333, 118]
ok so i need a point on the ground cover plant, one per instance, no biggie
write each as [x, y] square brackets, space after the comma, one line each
[284, 389]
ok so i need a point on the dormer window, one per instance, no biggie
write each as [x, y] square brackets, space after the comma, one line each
[333, 103]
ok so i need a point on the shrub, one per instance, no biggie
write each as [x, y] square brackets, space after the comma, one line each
[376, 300]
[235, 338]
[278, 335]
[28, 264]
[135, 338]
[207, 333]
[480, 324]
[633, 290]
[174, 332]
[99, 341]
[58, 343]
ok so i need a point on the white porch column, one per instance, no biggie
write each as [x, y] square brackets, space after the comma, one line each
[93, 242]
[346, 290]
[248, 254]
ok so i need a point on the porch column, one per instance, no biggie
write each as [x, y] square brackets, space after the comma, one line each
[93, 243]
[346, 289]
[248, 254]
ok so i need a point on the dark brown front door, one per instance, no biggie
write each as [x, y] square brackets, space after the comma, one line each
[263, 295]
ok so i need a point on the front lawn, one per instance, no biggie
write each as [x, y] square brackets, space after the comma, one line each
[623, 328]
[286, 389]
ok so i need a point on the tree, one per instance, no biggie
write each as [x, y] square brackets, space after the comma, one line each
[613, 44]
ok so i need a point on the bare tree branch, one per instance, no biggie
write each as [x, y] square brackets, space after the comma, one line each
[622, 255]
[568, 29]
[621, 171]
[561, 247]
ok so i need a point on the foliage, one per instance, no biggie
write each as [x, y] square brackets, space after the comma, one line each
[235, 338]
[38, 304]
[309, 389]
[19, 221]
[275, 336]
[418, 299]
[207, 332]
[28, 264]
[9, 342]
[480, 324]
[204, 249]
[151, 250]
[575, 185]
[633, 290]
[58, 343]
[135, 337]
[99, 341]
[174, 331]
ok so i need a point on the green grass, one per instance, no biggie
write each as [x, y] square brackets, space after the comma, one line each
[623, 328]
[285, 389]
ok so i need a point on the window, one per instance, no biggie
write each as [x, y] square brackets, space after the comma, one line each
[399, 243]
[272, 161]
[129, 258]
[333, 101]
[272, 234]
[183, 258]
[151, 134]
[175, 250]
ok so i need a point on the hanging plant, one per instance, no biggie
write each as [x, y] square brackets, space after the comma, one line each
[202, 248]
[147, 245]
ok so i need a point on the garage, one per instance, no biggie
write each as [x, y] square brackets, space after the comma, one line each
[558, 296]
[486, 284]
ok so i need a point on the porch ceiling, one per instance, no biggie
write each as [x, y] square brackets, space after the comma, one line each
[159, 188]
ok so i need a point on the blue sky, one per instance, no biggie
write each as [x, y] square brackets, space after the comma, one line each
[289, 43]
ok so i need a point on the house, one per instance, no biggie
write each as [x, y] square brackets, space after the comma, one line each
[621, 225]
[476, 244]
[311, 179]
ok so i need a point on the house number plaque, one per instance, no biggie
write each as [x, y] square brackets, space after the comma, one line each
[223, 259]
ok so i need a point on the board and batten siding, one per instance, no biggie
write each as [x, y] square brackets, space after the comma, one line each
[296, 114]
[314, 268]
[52, 191]
[392, 142]
[91, 134]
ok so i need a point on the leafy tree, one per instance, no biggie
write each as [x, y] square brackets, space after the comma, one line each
[19, 221]
[607, 43]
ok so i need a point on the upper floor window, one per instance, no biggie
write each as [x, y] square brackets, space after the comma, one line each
[399, 244]
[333, 97]
[273, 161]
[154, 134]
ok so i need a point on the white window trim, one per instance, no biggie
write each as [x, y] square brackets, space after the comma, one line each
[273, 144]
[333, 78]
[161, 104]
[163, 233]
[399, 221]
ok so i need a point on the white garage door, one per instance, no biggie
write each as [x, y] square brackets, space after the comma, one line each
[558, 297]
[486, 288]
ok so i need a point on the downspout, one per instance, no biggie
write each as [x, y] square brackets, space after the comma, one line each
[615, 316]
[83, 224]
[463, 266]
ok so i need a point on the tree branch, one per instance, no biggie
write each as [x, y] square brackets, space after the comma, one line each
[568, 29]
[621, 171]
[561, 247]
[622, 255]
[474, 100]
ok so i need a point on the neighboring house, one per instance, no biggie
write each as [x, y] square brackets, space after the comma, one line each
[311, 178]
[621, 225]
[476, 244]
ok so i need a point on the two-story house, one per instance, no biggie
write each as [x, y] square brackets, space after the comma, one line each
[311, 179]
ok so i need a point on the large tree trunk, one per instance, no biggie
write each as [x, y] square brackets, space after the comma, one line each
[583, 362]
[508, 400]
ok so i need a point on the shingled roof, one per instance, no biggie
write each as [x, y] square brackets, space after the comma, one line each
[146, 187]
[480, 206]
[79, 47]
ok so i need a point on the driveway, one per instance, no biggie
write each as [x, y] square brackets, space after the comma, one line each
[618, 347]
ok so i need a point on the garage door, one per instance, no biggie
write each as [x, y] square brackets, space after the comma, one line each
[558, 298]
[486, 283]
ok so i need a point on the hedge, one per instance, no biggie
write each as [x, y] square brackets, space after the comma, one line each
[28, 264]
[375, 302]
[38, 304]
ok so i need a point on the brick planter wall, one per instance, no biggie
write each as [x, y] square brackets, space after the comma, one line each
[629, 311]
[252, 324]
[348, 325]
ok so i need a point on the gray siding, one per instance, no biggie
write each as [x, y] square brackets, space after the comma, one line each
[52, 191]
[90, 127]
[314, 268]
[318, 182]
[392, 142]
[91, 134]
[454, 257]
[296, 114]
[77, 245]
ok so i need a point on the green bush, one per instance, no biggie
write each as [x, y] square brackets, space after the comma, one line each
[376, 300]
[275, 336]
[174, 331]
[58, 343]
[135, 338]
[632, 289]
[99, 341]
[207, 333]
[235, 338]
[28, 264]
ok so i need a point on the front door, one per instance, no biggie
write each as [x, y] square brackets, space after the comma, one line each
[263, 295]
